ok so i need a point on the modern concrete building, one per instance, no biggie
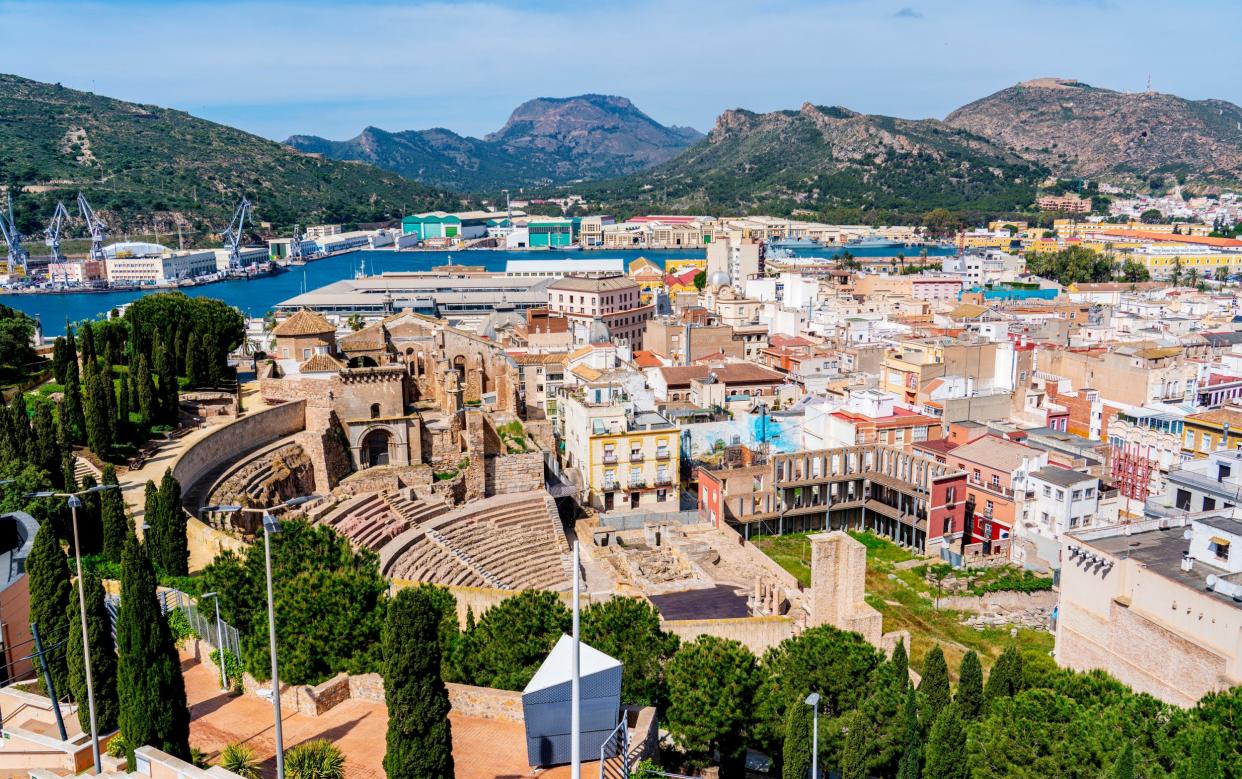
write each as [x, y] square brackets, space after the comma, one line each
[546, 704]
[612, 301]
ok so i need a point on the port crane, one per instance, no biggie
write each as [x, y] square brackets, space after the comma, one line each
[296, 256]
[95, 226]
[18, 257]
[52, 233]
[233, 235]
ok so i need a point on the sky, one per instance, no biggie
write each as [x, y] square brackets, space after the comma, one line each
[332, 68]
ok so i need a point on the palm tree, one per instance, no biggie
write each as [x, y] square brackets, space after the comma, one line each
[315, 759]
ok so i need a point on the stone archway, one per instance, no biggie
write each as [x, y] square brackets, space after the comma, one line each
[375, 448]
[363, 361]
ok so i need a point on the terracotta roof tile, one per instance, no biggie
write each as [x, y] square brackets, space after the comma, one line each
[303, 322]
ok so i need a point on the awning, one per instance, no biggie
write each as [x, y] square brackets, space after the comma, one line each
[1220, 541]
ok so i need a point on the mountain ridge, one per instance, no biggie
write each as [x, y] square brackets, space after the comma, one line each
[544, 140]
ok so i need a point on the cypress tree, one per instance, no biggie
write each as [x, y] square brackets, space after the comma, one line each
[796, 752]
[174, 558]
[145, 390]
[45, 446]
[901, 664]
[1005, 680]
[60, 359]
[72, 416]
[153, 518]
[946, 747]
[112, 518]
[90, 532]
[935, 684]
[195, 371]
[68, 468]
[420, 740]
[150, 688]
[103, 658]
[216, 361]
[167, 372]
[86, 346]
[19, 425]
[122, 409]
[910, 765]
[99, 419]
[50, 596]
[1124, 767]
[854, 751]
[969, 698]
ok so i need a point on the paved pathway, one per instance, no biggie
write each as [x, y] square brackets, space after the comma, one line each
[482, 748]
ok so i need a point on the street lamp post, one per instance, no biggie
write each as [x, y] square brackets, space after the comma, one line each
[224, 685]
[75, 502]
[812, 700]
[270, 526]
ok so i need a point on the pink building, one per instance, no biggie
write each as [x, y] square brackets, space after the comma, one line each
[612, 300]
[935, 287]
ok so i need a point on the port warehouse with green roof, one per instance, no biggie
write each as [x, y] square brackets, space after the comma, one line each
[552, 231]
[466, 224]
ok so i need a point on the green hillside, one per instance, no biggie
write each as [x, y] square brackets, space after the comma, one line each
[821, 158]
[146, 167]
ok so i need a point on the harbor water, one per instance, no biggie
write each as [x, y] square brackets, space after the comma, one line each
[258, 296]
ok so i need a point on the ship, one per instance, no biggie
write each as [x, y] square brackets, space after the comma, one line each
[875, 242]
[790, 244]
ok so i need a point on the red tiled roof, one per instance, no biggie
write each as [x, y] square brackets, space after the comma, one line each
[646, 359]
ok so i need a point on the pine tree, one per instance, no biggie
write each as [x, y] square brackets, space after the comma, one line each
[150, 688]
[1124, 767]
[50, 595]
[1205, 754]
[114, 525]
[946, 747]
[910, 765]
[103, 658]
[901, 664]
[935, 685]
[195, 371]
[420, 741]
[1005, 680]
[854, 751]
[796, 752]
[148, 404]
[174, 557]
[969, 698]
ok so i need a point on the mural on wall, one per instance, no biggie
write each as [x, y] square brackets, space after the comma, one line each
[706, 440]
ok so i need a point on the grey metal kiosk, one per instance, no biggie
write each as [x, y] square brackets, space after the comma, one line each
[546, 704]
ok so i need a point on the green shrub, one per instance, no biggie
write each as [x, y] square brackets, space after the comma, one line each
[232, 666]
[315, 759]
[118, 746]
[179, 624]
[240, 759]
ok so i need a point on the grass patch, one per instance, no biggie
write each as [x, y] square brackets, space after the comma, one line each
[906, 600]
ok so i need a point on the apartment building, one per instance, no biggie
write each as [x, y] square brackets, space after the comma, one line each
[1134, 374]
[735, 379]
[624, 459]
[680, 343]
[904, 496]
[1068, 203]
[1144, 445]
[615, 301]
[539, 381]
[1208, 431]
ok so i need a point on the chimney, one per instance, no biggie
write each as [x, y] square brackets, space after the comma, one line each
[1188, 562]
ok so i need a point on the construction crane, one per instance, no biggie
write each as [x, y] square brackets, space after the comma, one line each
[54, 228]
[233, 235]
[18, 257]
[95, 226]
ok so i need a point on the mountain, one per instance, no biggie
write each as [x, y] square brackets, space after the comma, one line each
[1078, 130]
[147, 167]
[546, 140]
[829, 157]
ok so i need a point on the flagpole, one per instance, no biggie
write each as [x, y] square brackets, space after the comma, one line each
[575, 698]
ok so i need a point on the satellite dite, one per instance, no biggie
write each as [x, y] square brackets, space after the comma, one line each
[546, 703]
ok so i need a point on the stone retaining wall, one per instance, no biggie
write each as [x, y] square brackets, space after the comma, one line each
[236, 438]
[758, 634]
[1008, 601]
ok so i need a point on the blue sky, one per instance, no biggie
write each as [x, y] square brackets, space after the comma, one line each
[332, 68]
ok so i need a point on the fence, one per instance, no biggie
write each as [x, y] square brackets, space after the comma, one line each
[614, 753]
[203, 624]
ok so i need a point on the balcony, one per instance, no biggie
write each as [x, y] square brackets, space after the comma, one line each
[637, 484]
[610, 458]
[636, 456]
[663, 480]
[662, 454]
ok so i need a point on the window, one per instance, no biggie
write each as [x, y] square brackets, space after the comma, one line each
[950, 494]
[995, 482]
[976, 477]
[1060, 495]
[375, 410]
[661, 496]
[1190, 439]
[1209, 504]
[988, 509]
[1047, 491]
[1206, 445]
[1077, 495]
[1219, 547]
[1089, 492]
[1073, 521]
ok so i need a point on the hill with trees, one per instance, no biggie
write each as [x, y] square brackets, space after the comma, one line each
[145, 167]
[822, 158]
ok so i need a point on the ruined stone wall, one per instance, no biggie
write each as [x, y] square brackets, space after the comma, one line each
[758, 634]
[232, 440]
[838, 584]
[510, 473]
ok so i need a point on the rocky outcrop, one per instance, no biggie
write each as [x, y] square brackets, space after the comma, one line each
[1078, 130]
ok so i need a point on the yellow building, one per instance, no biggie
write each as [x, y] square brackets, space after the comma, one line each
[678, 264]
[626, 461]
[1202, 432]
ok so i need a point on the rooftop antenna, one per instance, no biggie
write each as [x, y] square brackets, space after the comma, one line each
[1148, 83]
[95, 226]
